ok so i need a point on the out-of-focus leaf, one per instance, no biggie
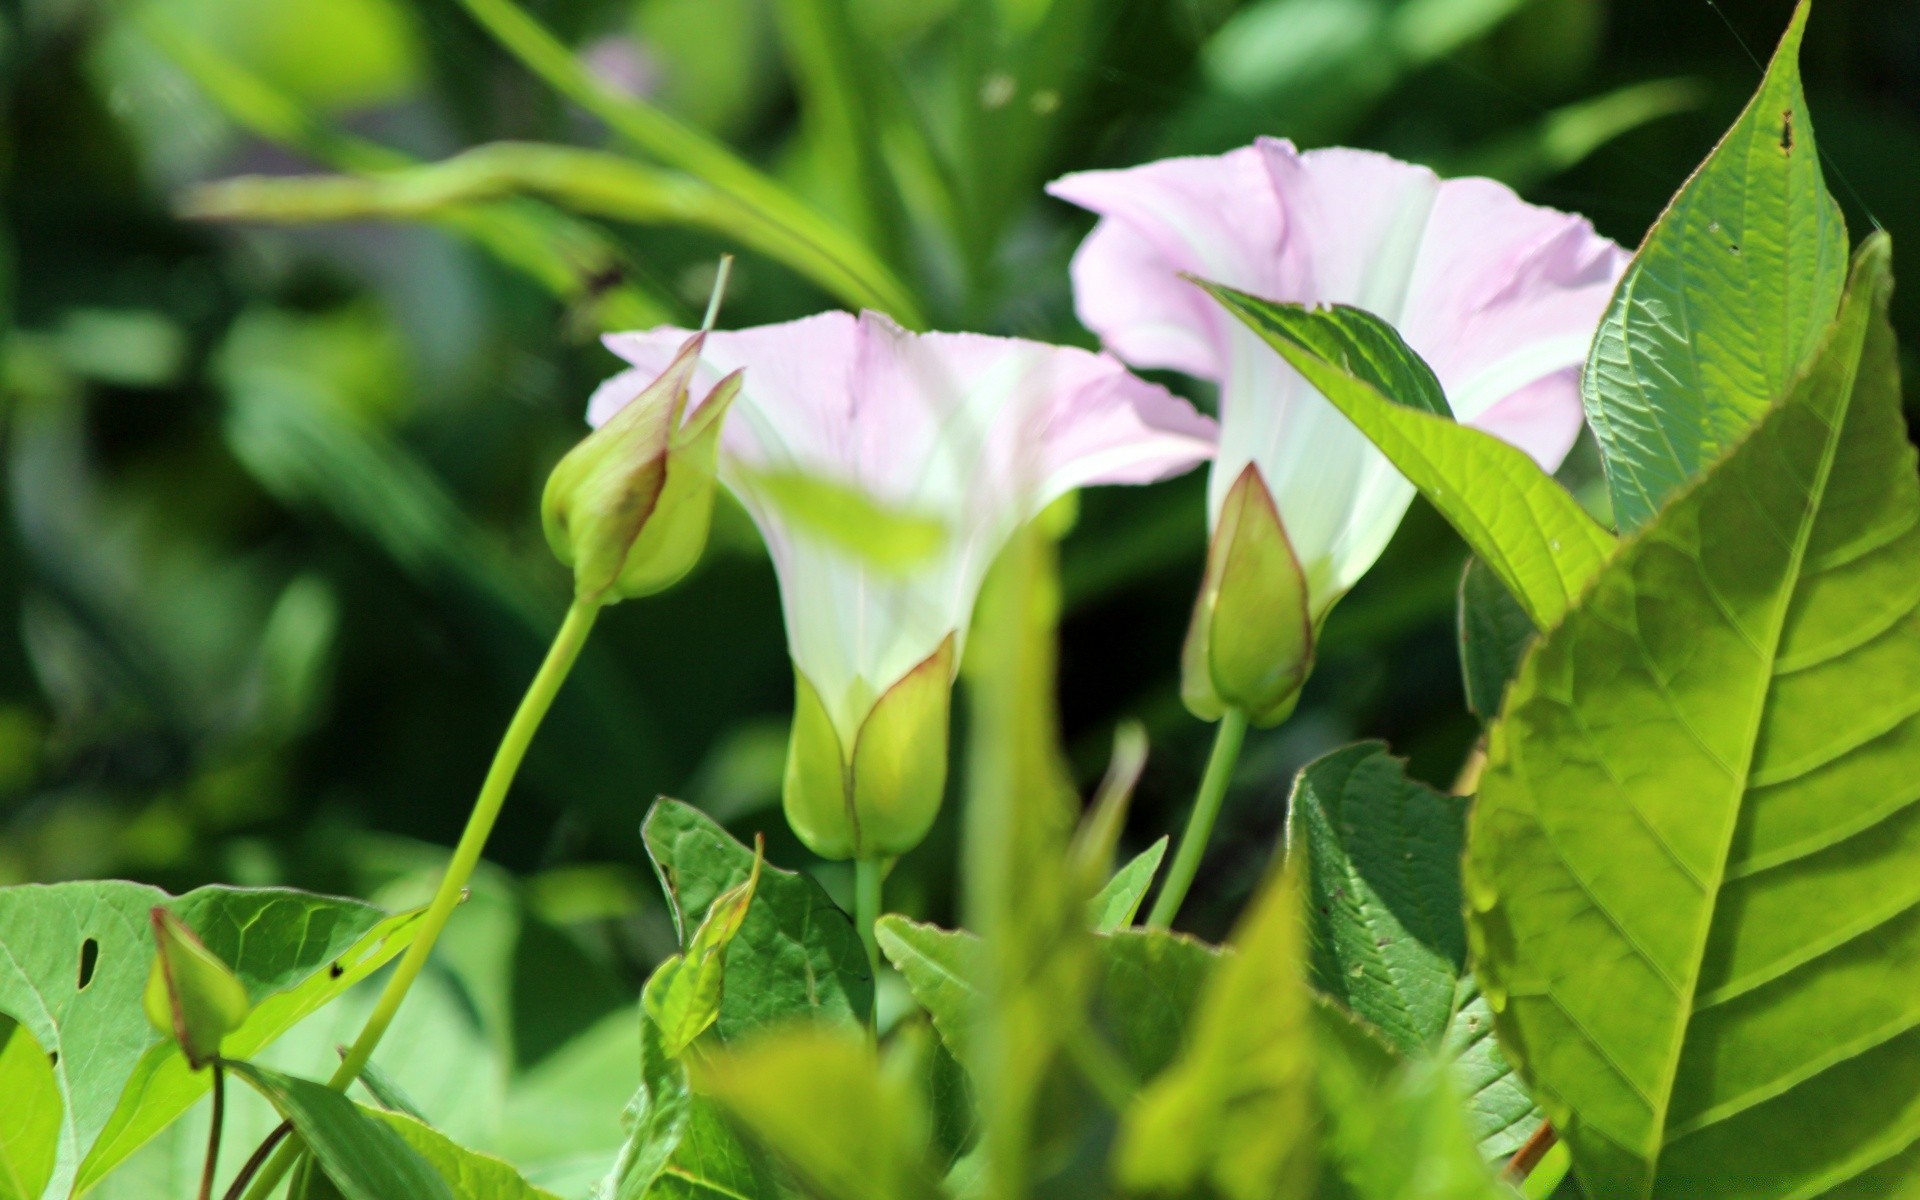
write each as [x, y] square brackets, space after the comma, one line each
[1116, 903]
[682, 997]
[1403, 1138]
[76, 966]
[1149, 990]
[362, 1153]
[1729, 296]
[860, 275]
[30, 1119]
[1691, 866]
[796, 955]
[818, 1099]
[1568, 136]
[853, 521]
[373, 55]
[1388, 939]
[1494, 632]
[656, 1119]
[1527, 528]
[470, 1174]
[1233, 1115]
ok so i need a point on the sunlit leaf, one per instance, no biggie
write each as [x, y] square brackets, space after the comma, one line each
[1116, 904]
[1728, 297]
[1691, 867]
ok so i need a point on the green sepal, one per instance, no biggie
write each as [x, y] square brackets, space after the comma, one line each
[1250, 645]
[629, 507]
[191, 995]
[682, 997]
[879, 800]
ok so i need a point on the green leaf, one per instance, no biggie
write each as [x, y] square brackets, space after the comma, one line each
[1401, 1138]
[796, 954]
[1692, 866]
[1728, 297]
[1528, 529]
[656, 1119]
[1388, 941]
[1494, 633]
[30, 1119]
[191, 995]
[470, 1174]
[1149, 989]
[1117, 903]
[77, 966]
[818, 1099]
[364, 1156]
[1232, 1116]
[682, 997]
[285, 946]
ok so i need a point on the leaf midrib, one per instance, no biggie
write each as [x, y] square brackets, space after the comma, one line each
[1810, 512]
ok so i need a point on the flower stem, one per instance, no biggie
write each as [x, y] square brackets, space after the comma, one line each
[213, 1131]
[868, 876]
[1206, 810]
[466, 855]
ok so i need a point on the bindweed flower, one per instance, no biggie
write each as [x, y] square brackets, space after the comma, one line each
[628, 508]
[1500, 297]
[885, 470]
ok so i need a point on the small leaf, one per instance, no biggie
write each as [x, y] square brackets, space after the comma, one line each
[1726, 300]
[1233, 1115]
[470, 1174]
[795, 956]
[364, 1157]
[1403, 1137]
[1529, 530]
[191, 995]
[1494, 633]
[656, 1119]
[818, 1099]
[1116, 904]
[942, 969]
[682, 998]
[1382, 854]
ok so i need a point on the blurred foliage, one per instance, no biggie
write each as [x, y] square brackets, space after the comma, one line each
[271, 576]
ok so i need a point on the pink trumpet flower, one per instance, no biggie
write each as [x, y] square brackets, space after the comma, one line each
[1500, 297]
[885, 470]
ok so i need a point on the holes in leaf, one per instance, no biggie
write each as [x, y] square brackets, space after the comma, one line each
[335, 970]
[1786, 131]
[89, 959]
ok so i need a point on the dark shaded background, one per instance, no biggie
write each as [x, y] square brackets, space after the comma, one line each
[271, 577]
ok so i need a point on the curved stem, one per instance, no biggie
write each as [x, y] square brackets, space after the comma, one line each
[213, 1131]
[868, 876]
[466, 855]
[1206, 809]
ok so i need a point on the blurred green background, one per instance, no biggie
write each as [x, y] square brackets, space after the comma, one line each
[271, 577]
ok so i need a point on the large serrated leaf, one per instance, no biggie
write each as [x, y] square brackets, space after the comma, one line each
[1725, 301]
[796, 954]
[1388, 941]
[76, 963]
[1528, 529]
[1694, 865]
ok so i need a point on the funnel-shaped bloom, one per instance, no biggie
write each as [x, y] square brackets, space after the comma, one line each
[885, 470]
[1500, 297]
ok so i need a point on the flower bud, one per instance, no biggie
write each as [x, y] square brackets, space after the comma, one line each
[628, 508]
[1250, 645]
[875, 796]
[191, 995]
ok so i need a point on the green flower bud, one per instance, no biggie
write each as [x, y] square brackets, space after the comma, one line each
[191, 995]
[879, 799]
[1250, 645]
[628, 508]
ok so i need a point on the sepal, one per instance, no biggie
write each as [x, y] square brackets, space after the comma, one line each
[191, 996]
[878, 799]
[1250, 644]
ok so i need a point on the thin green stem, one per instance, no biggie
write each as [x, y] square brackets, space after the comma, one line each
[213, 1132]
[466, 855]
[869, 874]
[1206, 810]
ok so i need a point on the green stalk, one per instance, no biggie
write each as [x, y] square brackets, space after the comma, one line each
[466, 855]
[869, 875]
[1542, 1181]
[1206, 810]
